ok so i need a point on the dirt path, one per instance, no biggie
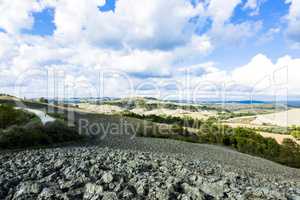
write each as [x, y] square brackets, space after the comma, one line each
[42, 115]
[278, 137]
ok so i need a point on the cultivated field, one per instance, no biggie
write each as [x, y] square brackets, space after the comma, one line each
[278, 137]
[103, 109]
[284, 118]
[202, 114]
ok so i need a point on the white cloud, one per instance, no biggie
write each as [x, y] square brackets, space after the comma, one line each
[221, 11]
[262, 73]
[268, 36]
[6, 46]
[223, 31]
[197, 47]
[145, 39]
[39, 53]
[133, 24]
[254, 5]
[17, 15]
[236, 33]
[293, 18]
[259, 67]
[260, 77]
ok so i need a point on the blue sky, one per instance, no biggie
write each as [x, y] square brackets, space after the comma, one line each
[108, 6]
[149, 40]
[43, 23]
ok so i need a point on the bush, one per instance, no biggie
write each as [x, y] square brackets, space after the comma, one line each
[248, 141]
[290, 153]
[242, 139]
[58, 131]
[43, 100]
[36, 134]
[17, 137]
[10, 116]
[60, 116]
[296, 134]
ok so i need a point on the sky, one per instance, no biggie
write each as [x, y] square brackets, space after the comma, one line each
[191, 49]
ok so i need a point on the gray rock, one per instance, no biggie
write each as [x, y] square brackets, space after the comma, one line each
[102, 173]
[107, 177]
[109, 196]
[215, 189]
[48, 193]
[92, 191]
[58, 164]
[127, 194]
[26, 190]
[294, 197]
[192, 192]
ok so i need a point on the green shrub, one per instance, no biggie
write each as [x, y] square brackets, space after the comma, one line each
[58, 131]
[166, 119]
[248, 141]
[296, 134]
[290, 153]
[56, 115]
[10, 116]
[17, 137]
[35, 134]
[43, 100]
[242, 139]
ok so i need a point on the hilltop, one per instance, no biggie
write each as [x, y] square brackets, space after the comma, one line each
[128, 166]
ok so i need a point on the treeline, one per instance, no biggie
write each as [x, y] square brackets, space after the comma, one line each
[167, 119]
[242, 139]
[293, 130]
[274, 129]
[250, 142]
[7, 95]
[229, 115]
[141, 103]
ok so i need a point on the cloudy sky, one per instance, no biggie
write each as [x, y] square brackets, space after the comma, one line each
[237, 49]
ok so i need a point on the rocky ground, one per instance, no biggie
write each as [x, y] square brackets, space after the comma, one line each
[93, 172]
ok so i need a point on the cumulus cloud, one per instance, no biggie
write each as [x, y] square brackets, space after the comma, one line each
[268, 36]
[293, 19]
[7, 46]
[223, 31]
[236, 33]
[262, 74]
[17, 15]
[259, 77]
[221, 11]
[145, 40]
[254, 6]
[133, 24]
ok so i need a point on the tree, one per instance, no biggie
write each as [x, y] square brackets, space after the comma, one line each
[43, 100]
